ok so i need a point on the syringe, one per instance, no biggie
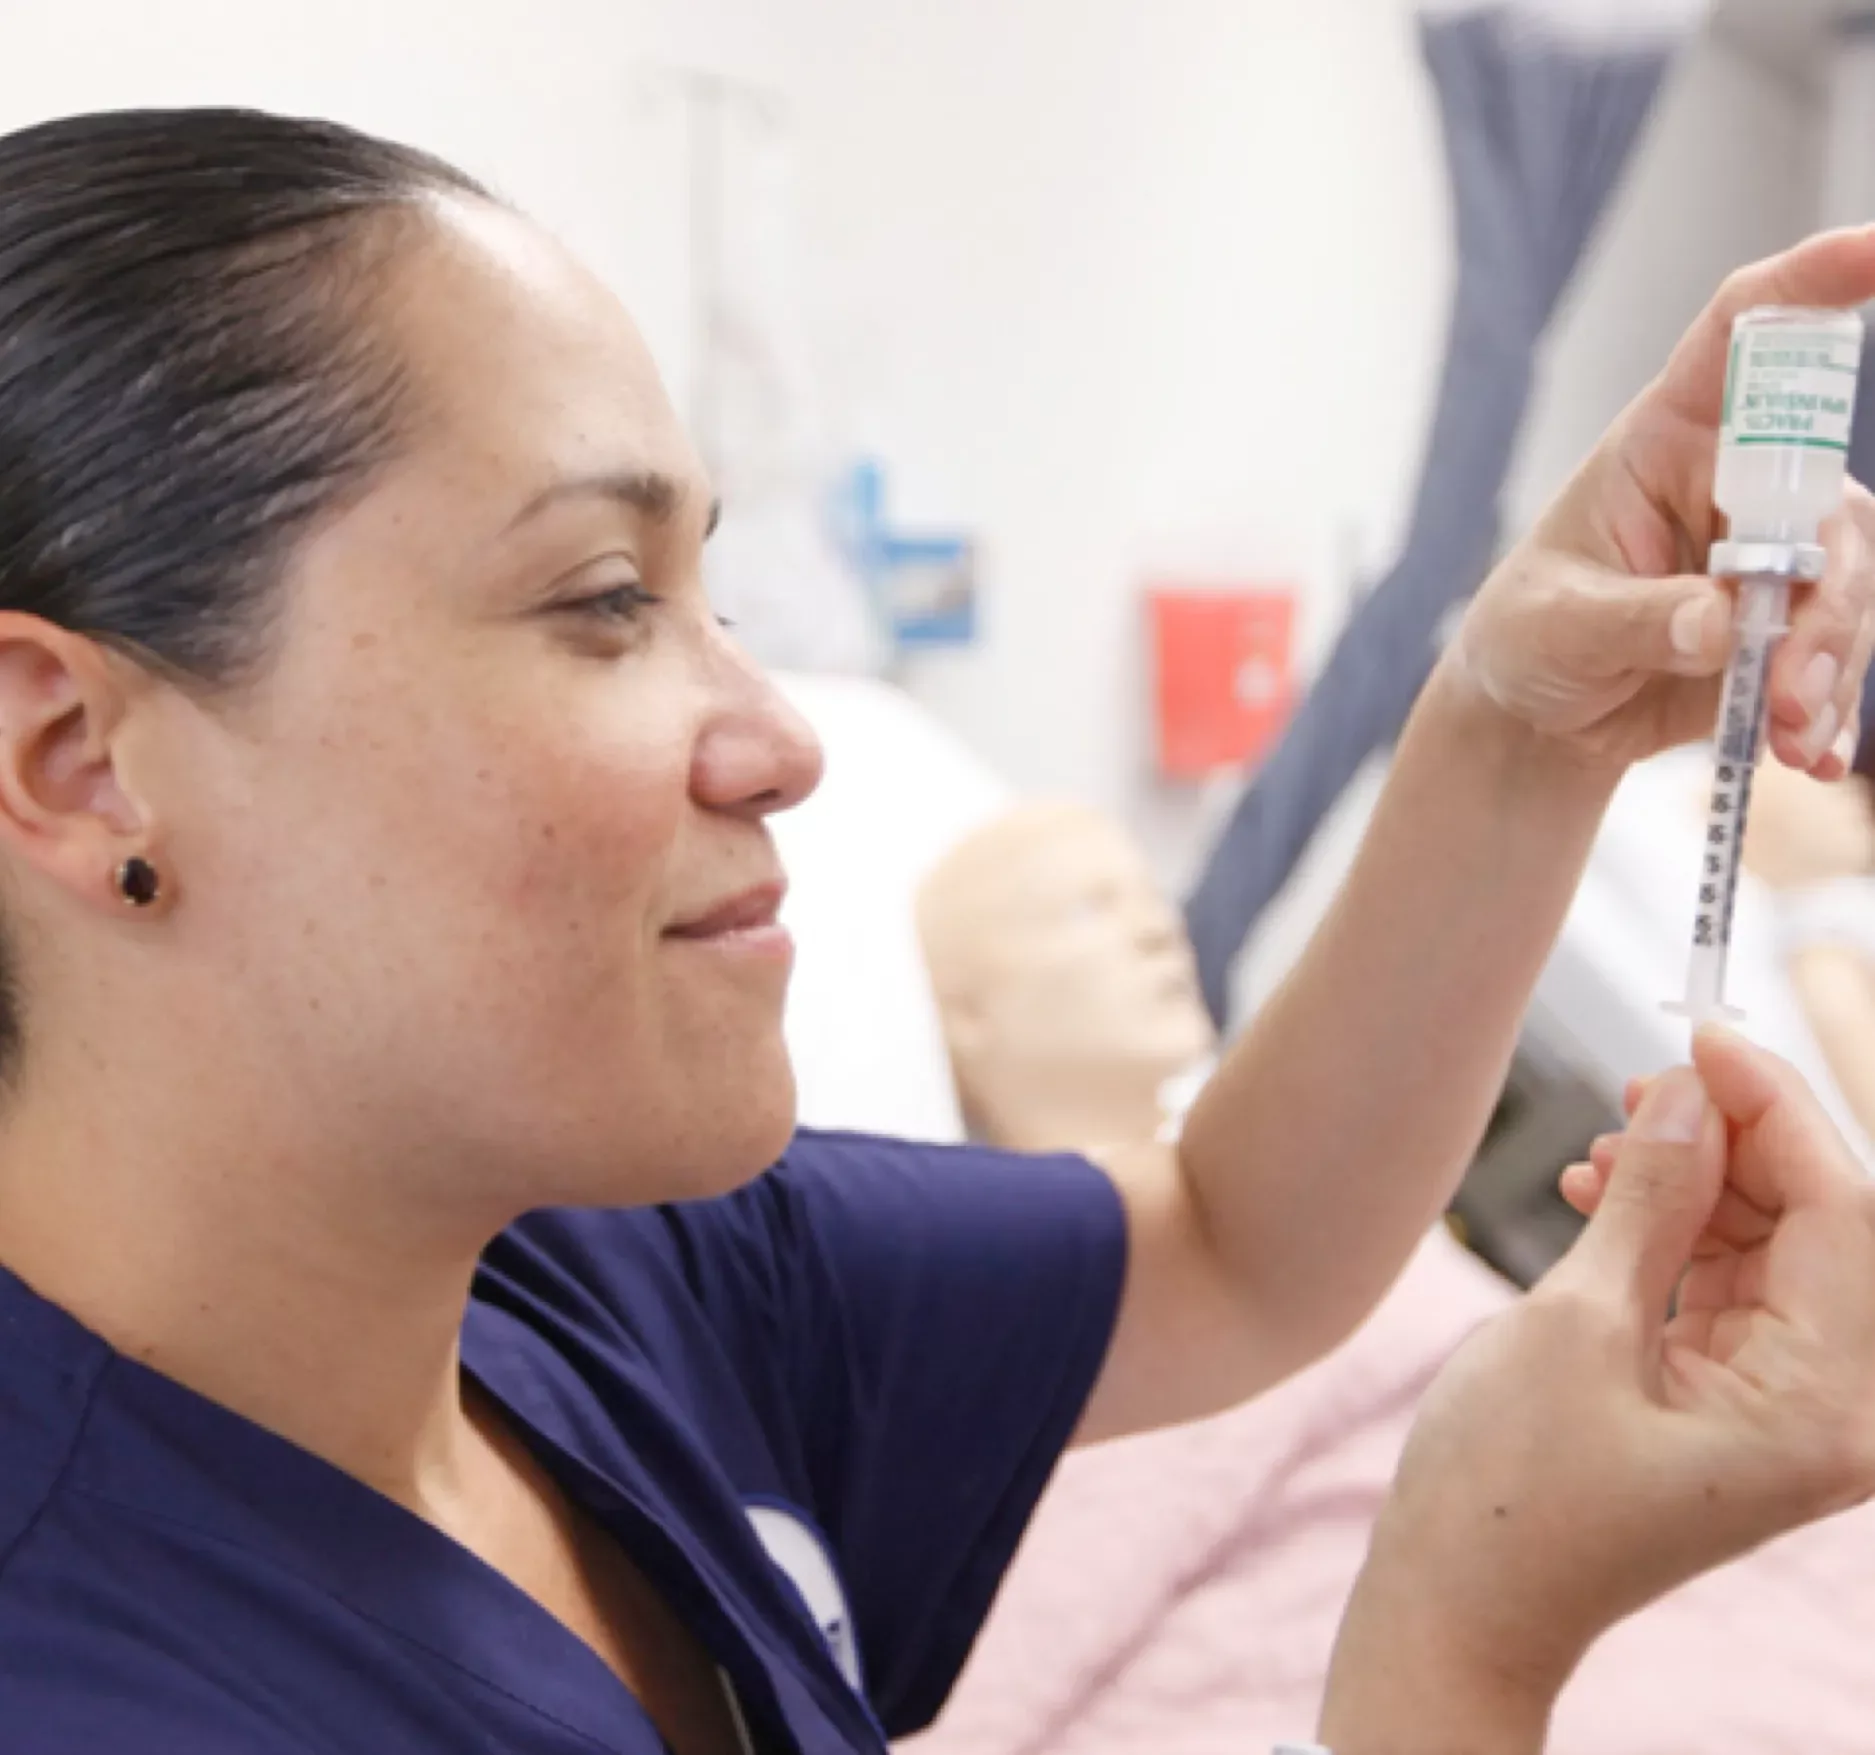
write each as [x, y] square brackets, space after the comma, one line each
[1763, 604]
[1784, 434]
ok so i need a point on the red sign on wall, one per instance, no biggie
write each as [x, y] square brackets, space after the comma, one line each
[1223, 675]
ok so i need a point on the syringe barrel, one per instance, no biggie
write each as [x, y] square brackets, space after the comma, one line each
[1742, 700]
[1739, 739]
[1705, 983]
[1784, 426]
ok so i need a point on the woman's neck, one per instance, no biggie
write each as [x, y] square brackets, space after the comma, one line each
[283, 1289]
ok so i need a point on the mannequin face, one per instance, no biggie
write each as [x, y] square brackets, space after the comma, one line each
[1064, 977]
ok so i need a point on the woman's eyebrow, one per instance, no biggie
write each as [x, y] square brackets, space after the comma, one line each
[651, 492]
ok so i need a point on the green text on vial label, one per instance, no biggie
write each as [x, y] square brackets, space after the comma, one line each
[1791, 389]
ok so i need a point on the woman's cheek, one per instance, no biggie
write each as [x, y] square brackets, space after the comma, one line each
[591, 832]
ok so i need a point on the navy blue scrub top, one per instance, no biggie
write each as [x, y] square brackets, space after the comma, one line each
[816, 1413]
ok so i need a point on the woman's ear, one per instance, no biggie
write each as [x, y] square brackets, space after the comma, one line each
[66, 811]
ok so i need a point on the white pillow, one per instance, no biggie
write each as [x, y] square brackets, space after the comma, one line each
[900, 791]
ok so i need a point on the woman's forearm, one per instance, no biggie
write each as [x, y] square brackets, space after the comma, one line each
[1399, 1686]
[1338, 1126]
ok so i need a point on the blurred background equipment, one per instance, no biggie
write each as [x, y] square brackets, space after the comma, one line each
[773, 566]
[1223, 674]
[921, 586]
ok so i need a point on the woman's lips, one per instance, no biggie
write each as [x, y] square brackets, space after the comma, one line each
[747, 922]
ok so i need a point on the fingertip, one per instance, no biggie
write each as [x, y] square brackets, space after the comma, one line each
[1700, 629]
[1716, 1039]
[1581, 1188]
[1839, 759]
[1741, 1078]
[1848, 743]
[1677, 1111]
[1788, 741]
[1810, 693]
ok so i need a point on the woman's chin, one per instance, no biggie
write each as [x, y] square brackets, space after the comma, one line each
[737, 1158]
[728, 1144]
[707, 1138]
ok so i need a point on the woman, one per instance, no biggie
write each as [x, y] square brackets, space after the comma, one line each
[404, 1348]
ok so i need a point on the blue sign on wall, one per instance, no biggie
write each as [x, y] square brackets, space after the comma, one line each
[923, 586]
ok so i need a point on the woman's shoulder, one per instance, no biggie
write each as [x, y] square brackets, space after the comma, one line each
[843, 1229]
[840, 1219]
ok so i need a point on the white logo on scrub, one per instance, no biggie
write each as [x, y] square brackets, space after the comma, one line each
[796, 1548]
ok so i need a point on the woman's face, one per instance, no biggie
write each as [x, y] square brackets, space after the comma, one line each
[479, 856]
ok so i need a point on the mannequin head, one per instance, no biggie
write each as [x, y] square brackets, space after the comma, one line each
[1804, 831]
[1064, 979]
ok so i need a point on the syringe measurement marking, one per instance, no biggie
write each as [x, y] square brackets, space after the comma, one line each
[1741, 729]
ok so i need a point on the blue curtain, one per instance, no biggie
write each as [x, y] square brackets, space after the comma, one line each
[1537, 130]
[1862, 467]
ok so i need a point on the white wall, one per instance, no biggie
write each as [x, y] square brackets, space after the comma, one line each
[1167, 290]
[1168, 283]
[1848, 89]
[532, 96]
[1171, 288]
[1126, 284]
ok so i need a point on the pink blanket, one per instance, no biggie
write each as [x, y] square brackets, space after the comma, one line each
[1178, 1593]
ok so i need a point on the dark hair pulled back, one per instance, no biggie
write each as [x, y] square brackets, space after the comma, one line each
[187, 377]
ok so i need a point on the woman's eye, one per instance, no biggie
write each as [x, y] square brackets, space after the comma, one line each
[619, 603]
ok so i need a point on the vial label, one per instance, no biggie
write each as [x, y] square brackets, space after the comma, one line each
[1786, 385]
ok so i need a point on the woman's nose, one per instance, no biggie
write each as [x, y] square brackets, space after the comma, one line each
[759, 755]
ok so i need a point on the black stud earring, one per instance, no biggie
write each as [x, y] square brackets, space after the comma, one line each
[137, 882]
